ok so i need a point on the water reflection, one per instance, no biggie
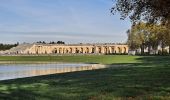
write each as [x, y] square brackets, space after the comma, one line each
[13, 71]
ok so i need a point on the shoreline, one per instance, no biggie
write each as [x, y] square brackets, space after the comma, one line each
[40, 62]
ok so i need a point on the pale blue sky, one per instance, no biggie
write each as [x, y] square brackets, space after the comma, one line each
[72, 21]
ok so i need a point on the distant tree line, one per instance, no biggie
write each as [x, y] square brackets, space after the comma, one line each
[51, 42]
[7, 46]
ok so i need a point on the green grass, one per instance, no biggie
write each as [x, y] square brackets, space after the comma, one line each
[103, 59]
[136, 78]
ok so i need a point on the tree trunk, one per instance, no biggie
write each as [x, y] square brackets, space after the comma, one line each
[149, 49]
[169, 49]
[142, 49]
[162, 48]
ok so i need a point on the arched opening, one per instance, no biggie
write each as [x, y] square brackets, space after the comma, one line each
[87, 50]
[125, 51]
[60, 50]
[64, 50]
[119, 50]
[100, 49]
[77, 51]
[81, 50]
[113, 50]
[67, 51]
[37, 51]
[71, 50]
[105, 50]
[55, 51]
[93, 50]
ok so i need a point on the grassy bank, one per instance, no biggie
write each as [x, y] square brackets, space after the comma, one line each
[136, 78]
[103, 59]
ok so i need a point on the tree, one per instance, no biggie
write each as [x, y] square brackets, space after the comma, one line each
[155, 12]
[164, 37]
[167, 38]
[145, 35]
[138, 36]
[149, 10]
[7, 46]
[132, 40]
[60, 42]
[52, 42]
[153, 30]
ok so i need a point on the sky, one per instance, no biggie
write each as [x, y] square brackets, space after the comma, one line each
[71, 21]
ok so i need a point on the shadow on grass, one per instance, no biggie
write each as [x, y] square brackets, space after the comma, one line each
[155, 59]
[147, 80]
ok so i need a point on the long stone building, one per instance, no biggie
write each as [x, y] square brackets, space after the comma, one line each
[69, 49]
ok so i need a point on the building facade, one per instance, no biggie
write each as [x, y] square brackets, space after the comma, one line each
[69, 49]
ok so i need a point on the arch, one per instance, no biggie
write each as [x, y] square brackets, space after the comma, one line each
[93, 50]
[71, 50]
[125, 50]
[105, 50]
[81, 51]
[87, 50]
[99, 49]
[55, 51]
[67, 50]
[119, 50]
[64, 50]
[37, 51]
[77, 50]
[113, 49]
[60, 50]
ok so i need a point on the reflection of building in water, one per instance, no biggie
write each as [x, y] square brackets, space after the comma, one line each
[69, 49]
[61, 70]
[37, 71]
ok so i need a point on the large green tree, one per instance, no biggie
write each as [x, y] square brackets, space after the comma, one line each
[133, 41]
[164, 37]
[143, 35]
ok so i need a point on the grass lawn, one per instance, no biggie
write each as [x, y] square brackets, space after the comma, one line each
[136, 78]
[103, 59]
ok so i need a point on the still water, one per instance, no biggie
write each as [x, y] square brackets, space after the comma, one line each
[13, 71]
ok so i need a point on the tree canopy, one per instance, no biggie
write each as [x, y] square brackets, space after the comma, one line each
[143, 35]
[148, 10]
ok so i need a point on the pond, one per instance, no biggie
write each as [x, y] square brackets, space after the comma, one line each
[13, 71]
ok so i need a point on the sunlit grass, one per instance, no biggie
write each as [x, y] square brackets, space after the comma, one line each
[104, 59]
